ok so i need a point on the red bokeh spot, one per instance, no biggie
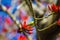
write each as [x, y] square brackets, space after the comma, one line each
[30, 32]
[4, 30]
[21, 37]
[58, 22]
[8, 20]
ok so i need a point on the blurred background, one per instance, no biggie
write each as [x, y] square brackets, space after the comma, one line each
[29, 19]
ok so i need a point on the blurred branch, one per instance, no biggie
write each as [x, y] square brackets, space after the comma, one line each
[48, 26]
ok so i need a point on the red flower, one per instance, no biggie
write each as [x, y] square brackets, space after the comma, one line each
[53, 8]
[21, 37]
[27, 27]
[30, 32]
[24, 18]
[24, 25]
